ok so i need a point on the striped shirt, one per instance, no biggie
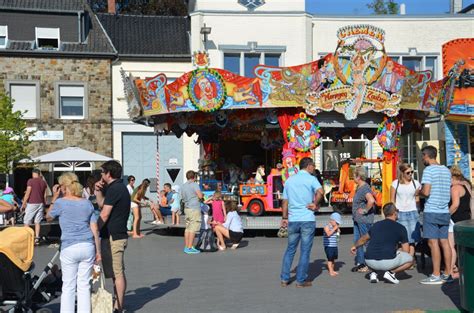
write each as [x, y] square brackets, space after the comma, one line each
[439, 177]
[330, 241]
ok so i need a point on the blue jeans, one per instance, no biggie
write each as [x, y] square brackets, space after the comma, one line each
[360, 229]
[297, 231]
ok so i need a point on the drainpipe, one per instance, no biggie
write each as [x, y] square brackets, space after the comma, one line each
[79, 32]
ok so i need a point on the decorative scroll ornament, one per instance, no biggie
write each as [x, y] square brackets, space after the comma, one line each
[388, 134]
[206, 90]
[134, 109]
[303, 134]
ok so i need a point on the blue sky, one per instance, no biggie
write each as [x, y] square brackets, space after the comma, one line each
[359, 7]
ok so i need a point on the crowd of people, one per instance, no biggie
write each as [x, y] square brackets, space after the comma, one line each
[97, 220]
[388, 245]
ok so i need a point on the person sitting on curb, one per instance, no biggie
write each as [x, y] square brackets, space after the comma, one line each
[382, 252]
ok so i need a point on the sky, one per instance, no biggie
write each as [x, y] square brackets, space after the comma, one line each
[359, 7]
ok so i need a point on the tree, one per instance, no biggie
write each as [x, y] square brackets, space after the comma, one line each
[143, 7]
[14, 137]
[383, 7]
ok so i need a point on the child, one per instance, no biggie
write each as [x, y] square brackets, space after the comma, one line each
[232, 228]
[175, 205]
[218, 208]
[330, 238]
[8, 196]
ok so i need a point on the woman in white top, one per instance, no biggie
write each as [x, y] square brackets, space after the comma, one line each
[404, 192]
[231, 229]
[131, 184]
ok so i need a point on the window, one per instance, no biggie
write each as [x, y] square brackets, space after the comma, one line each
[408, 145]
[3, 36]
[71, 101]
[413, 63]
[47, 38]
[431, 65]
[25, 96]
[244, 63]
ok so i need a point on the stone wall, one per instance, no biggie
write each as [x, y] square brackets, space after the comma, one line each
[94, 133]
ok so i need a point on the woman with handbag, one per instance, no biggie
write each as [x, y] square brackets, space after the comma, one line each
[404, 192]
[80, 245]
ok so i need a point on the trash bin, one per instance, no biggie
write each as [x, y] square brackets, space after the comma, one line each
[464, 238]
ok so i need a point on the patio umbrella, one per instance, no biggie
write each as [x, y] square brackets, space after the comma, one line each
[70, 156]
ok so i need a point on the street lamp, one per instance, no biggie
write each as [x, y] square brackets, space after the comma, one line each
[206, 31]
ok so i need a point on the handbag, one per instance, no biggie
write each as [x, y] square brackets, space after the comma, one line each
[101, 299]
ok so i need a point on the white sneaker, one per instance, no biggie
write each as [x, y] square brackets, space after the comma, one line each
[154, 222]
[373, 278]
[159, 222]
[391, 277]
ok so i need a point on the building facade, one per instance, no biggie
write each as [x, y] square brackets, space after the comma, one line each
[167, 51]
[55, 63]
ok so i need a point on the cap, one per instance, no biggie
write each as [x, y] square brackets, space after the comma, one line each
[336, 217]
[8, 190]
[175, 188]
[36, 170]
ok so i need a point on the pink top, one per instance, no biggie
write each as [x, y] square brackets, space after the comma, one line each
[218, 211]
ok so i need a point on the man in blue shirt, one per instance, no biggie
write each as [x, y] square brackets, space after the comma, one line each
[436, 183]
[301, 197]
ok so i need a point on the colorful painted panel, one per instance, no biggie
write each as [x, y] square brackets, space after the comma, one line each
[457, 147]
[357, 78]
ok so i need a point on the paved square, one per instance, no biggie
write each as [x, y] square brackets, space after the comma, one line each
[161, 278]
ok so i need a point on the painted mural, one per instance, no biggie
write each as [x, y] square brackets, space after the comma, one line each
[457, 147]
[357, 78]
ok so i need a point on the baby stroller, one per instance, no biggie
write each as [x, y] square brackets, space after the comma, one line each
[20, 291]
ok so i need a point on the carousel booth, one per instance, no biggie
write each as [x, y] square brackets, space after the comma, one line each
[254, 130]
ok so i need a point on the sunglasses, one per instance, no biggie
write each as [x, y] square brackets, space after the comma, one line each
[409, 172]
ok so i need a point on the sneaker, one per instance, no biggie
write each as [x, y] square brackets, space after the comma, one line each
[235, 246]
[447, 278]
[432, 280]
[154, 222]
[194, 250]
[391, 277]
[159, 223]
[373, 278]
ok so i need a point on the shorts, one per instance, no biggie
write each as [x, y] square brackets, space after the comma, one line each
[451, 226]
[133, 205]
[235, 237]
[331, 253]
[112, 252]
[175, 209]
[193, 220]
[388, 265]
[33, 212]
[436, 225]
[411, 221]
[165, 211]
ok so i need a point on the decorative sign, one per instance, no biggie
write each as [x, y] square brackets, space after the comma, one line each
[201, 59]
[206, 90]
[303, 134]
[173, 161]
[388, 134]
[248, 190]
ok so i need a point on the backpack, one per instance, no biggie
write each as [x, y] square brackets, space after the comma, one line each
[207, 241]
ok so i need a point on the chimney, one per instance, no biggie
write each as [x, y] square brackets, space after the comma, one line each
[403, 9]
[455, 6]
[111, 6]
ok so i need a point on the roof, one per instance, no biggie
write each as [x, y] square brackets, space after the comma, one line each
[43, 5]
[96, 43]
[467, 9]
[148, 36]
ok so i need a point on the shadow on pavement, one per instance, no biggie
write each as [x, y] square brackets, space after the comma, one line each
[136, 299]
[453, 291]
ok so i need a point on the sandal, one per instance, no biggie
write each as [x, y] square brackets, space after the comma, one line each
[362, 269]
[37, 241]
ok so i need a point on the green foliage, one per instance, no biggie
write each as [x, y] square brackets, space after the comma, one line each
[14, 137]
[383, 7]
[143, 7]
